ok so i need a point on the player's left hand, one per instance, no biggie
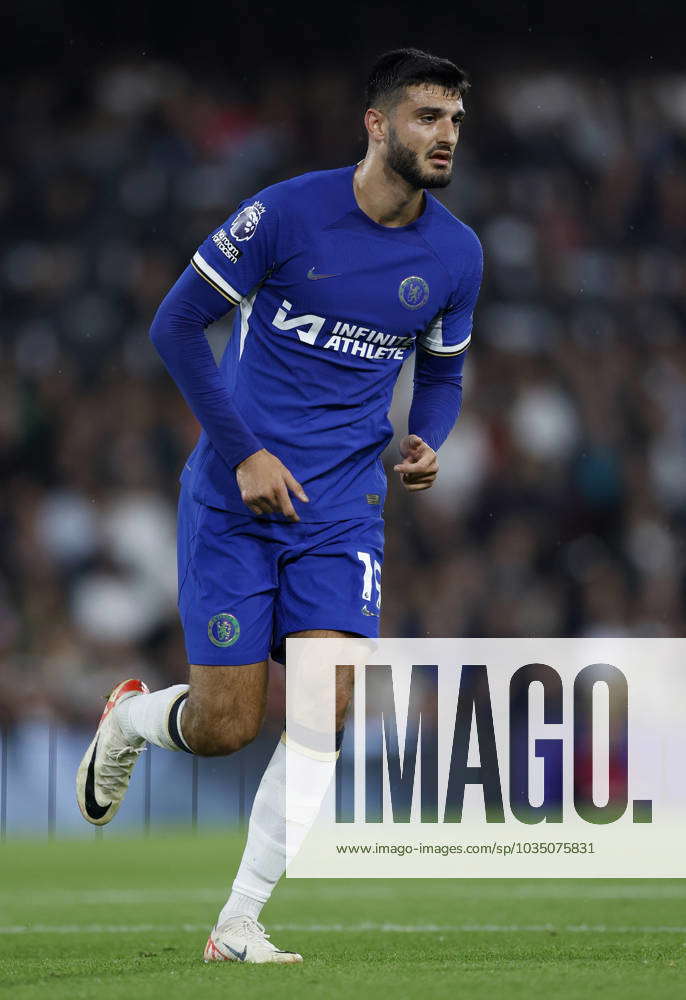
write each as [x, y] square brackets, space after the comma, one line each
[419, 467]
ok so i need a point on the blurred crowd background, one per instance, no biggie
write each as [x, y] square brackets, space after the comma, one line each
[559, 508]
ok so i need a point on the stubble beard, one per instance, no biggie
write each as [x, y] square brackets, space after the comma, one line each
[405, 163]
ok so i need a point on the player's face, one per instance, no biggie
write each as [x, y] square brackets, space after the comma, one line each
[423, 130]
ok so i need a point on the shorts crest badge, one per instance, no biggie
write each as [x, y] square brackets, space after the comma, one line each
[223, 629]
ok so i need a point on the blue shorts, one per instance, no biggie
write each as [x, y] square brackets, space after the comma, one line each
[245, 582]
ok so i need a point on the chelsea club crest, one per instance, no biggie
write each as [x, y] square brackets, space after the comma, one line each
[223, 629]
[413, 292]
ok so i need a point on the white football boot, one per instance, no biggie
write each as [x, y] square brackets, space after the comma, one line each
[242, 939]
[105, 771]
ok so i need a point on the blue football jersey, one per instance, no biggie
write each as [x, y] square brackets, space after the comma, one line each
[330, 305]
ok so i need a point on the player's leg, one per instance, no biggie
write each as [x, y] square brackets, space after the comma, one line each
[227, 581]
[337, 578]
[264, 857]
[217, 713]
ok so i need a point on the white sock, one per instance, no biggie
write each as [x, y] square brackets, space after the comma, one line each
[155, 717]
[264, 857]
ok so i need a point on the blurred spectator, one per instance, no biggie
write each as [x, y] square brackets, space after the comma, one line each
[560, 504]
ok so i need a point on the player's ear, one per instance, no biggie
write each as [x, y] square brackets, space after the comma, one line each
[375, 123]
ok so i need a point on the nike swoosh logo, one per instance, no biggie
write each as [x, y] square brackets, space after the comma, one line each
[93, 807]
[239, 955]
[315, 277]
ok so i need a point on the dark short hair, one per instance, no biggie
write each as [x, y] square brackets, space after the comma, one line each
[393, 71]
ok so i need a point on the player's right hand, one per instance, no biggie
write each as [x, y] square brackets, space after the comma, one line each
[265, 483]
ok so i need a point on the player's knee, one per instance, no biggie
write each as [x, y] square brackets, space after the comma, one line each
[237, 735]
[211, 732]
[227, 736]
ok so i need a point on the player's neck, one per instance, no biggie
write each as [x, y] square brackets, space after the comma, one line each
[384, 196]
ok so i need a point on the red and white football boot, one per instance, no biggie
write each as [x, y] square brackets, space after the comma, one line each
[105, 771]
[242, 939]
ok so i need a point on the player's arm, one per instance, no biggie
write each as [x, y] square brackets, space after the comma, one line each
[437, 395]
[436, 403]
[178, 333]
[200, 296]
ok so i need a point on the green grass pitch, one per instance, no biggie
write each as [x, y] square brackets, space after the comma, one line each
[117, 917]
